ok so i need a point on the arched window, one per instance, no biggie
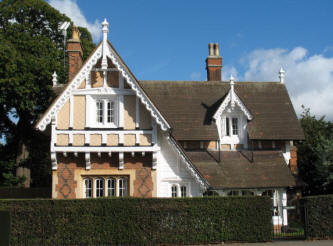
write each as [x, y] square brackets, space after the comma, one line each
[111, 182]
[123, 186]
[174, 191]
[183, 191]
[99, 187]
[88, 188]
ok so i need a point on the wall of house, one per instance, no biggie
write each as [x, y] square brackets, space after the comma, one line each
[171, 170]
[67, 180]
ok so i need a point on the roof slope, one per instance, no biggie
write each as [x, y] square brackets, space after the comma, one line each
[236, 171]
[189, 106]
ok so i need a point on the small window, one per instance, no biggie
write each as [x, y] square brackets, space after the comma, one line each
[99, 111]
[174, 191]
[123, 184]
[234, 126]
[233, 193]
[247, 193]
[183, 191]
[227, 126]
[110, 111]
[99, 187]
[111, 187]
[88, 188]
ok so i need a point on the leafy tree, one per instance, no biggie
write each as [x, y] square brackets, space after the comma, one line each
[31, 49]
[315, 154]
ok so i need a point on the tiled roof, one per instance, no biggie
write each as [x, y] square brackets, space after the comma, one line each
[189, 106]
[237, 170]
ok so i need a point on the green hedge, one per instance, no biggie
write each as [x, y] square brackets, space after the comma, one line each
[21, 192]
[134, 221]
[319, 216]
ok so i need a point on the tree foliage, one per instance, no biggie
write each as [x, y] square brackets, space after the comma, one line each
[315, 154]
[31, 49]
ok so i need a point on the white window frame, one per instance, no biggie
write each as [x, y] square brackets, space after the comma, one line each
[98, 188]
[92, 110]
[178, 190]
[122, 189]
[174, 191]
[181, 191]
[111, 191]
[91, 188]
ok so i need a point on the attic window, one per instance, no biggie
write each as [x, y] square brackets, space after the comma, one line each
[105, 112]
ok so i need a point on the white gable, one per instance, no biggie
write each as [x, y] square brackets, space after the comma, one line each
[106, 50]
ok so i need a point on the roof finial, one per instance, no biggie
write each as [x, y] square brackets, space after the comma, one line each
[105, 30]
[232, 97]
[281, 75]
[75, 33]
[54, 78]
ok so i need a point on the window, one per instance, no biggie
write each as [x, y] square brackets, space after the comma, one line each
[111, 183]
[233, 193]
[110, 110]
[123, 187]
[106, 186]
[227, 126]
[183, 191]
[99, 187]
[174, 191]
[99, 111]
[234, 126]
[88, 188]
[105, 112]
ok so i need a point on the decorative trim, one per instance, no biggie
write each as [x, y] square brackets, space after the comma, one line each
[103, 91]
[88, 163]
[139, 92]
[190, 167]
[74, 84]
[234, 99]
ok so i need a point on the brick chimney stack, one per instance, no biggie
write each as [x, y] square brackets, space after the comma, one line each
[75, 53]
[214, 63]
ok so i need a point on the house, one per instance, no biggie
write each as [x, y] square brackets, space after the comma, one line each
[113, 135]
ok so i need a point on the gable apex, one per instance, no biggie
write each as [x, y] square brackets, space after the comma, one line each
[103, 50]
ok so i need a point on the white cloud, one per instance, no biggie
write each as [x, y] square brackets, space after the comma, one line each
[72, 10]
[309, 79]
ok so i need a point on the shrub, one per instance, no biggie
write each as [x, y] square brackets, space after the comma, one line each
[134, 221]
[319, 216]
[21, 192]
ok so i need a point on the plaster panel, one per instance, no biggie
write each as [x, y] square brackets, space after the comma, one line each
[62, 139]
[95, 140]
[97, 79]
[145, 117]
[113, 79]
[145, 139]
[82, 85]
[112, 140]
[129, 112]
[79, 114]
[63, 117]
[129, 139]
[78, 140]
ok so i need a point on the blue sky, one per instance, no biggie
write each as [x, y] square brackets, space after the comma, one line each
[168, 40]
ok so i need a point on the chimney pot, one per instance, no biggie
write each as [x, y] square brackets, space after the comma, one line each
[210, 46]
[217, 50]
